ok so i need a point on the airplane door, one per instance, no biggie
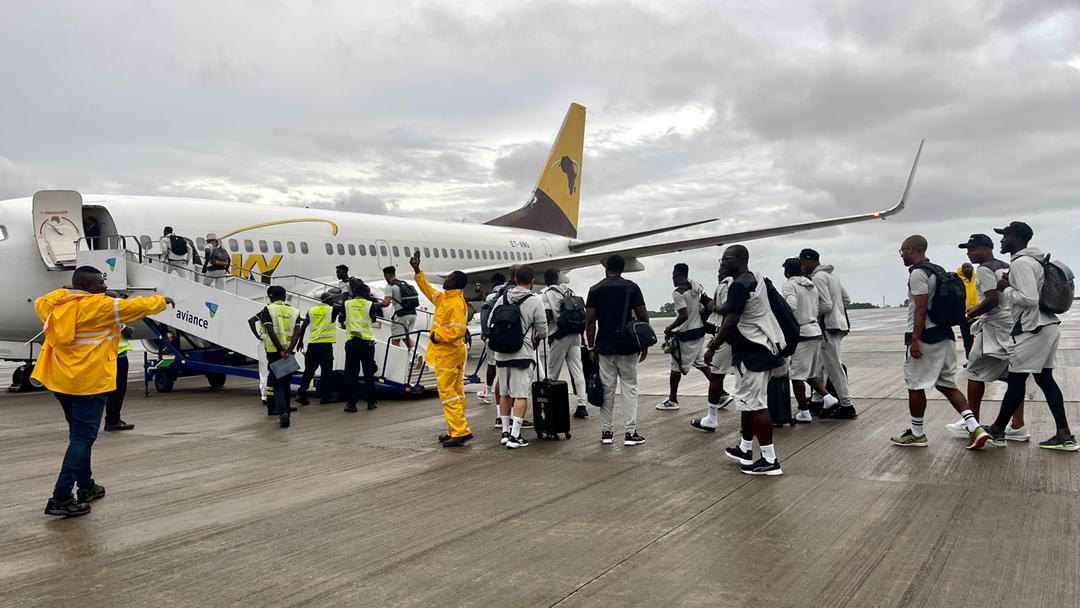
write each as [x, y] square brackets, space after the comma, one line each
[385, 259]
[58, 227]
[548, 251]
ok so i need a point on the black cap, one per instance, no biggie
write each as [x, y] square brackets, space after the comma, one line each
[977, 240]
[1017, 229]
[275, 292]
[809, 254]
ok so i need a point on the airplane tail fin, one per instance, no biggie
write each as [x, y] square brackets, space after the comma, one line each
[553, 207]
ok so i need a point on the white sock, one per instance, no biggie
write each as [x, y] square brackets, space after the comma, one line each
[507, 422]
[746, 445]
[491, 389]
[916, 426]
[710, 420]
[768, 452]
[969, 420]
[517, 426]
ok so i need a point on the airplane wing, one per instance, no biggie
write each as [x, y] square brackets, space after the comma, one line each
[580, 260]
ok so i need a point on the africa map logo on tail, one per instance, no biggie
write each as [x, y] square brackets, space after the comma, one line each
[570, 167]
[213, 308]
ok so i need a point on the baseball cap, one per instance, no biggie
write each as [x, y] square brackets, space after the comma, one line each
[275, 292]
[977, 240]
[809, 254]
[1017, 229]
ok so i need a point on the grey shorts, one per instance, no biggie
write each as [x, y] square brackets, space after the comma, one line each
[688, 356]
[403, 325]
[937, 367]
[806, 360]
[721, 362]
[1030, 353]
[982, 367]
[515, 382]
[751, 391]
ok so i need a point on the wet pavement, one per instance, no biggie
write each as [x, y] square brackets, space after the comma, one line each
[211, 504]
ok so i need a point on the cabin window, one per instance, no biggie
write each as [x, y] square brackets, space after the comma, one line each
[352, 249]
[468, 253]
[427, 252]
[329, 249]
[461, 254]
[407, 254]
[383, 251]
[484, 253]
[340, 249]
[277, 246]
[249, 246]
[453, 254]
[397, 252]
[435, 250]
[263, 248]
[361, 249]
[290, 246]
[303, 247]
[200, 243]
[444, 252]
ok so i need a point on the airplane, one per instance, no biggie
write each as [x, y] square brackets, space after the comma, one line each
[39, 236]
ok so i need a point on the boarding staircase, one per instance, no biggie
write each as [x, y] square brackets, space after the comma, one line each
[219, 317]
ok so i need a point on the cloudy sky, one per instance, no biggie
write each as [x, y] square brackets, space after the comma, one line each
[757, 113]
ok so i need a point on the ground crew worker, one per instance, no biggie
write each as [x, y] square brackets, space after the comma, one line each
[966, 272]
[320, 350]
[116, 398]
[446, 350]
[360, 345]
[281, 333]
[77, 363]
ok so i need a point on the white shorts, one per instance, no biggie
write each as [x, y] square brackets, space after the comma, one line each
[688, 355]
[937, 367]
[982, 367]
[404, 325]
[806, 360]
[751, 392]
[1032, 352]
[515, 382]
[721, 361]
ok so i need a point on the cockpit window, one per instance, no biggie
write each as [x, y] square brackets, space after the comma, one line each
[3, 233]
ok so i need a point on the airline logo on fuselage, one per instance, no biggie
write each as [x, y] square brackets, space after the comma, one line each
[243, 266]
[193, 319]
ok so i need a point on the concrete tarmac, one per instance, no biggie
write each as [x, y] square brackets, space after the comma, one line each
[211, 504]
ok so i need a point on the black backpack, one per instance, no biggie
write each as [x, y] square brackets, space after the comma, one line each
[789, 325]
[505, 333]
[178, 245]
[410, 300]
[485, 312]
[949, 307]
[571, 319]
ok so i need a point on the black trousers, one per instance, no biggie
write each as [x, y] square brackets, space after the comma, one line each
[360, 354]
[116, 398]
[318, 355]
[282, 386]
[965, 333]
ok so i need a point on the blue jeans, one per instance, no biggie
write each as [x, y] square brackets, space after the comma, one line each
[83, 415]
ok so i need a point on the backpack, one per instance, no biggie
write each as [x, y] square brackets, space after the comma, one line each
[505, 334]
[789, 325]
[950, 296]
[410, 300]
[635, 335]
[1058, 290]
[571, 319]
[219, 257]
[178, 245]
[706, 314]
[485, 312]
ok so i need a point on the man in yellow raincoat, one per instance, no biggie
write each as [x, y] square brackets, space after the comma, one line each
[446, 350]
[966, 272]
[78, 364]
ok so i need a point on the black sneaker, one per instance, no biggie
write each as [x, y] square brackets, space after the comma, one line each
[815, 408]
[843, 412]
[763, 467]
[736, 454]
[302, 399]
[372, 406]
[517, 442]
[581, 412]
[504, 438]
[119, 426]
[607, 437]
[526, 424]
[443, 438]
[94, 492]
[284, 421]
[454, 442]
[633, 439]
[66, 508]
[351, 408]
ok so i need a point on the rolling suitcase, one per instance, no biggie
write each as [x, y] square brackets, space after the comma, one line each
[551, 406]
[779, 401]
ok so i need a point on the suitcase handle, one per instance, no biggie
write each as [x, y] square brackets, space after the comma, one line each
[537, 353]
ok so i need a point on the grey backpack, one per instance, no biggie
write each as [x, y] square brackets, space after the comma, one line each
[1058, 289]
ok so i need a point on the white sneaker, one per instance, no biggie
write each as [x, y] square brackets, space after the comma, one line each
[803, 416]
[958, 428]
[829, 402]
[1020, 434]
[667, 404]
[484, 396]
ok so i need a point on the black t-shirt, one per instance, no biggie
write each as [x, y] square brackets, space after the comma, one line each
[608, 297]
[755, 356]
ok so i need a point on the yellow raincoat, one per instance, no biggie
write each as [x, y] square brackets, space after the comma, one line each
[82, 336]
[446, 353]
[971, 299]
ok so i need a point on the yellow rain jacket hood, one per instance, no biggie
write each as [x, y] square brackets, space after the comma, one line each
[447, 326]
[971, 298]
[82, 335]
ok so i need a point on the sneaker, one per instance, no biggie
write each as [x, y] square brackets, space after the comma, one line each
[505, 437]
[1057, 443]
[803, 417]
[829, 402]
[736, 454]
[842, 412]
[1020, 434]
[958, 428]
[526, 424]
[119, 426]
[372, 406]
[699, 424]
[94, 492]
[284, 421]
[66, 508]
[484, 396]
[667, 404]
[725, 400]
[302, 400]
[607, 437]
[633, 439]
[351, 408]
[581, 412]
[762, 467]
[978, 439]
[514, 443]
[498, 423]
[996, 441]
[909, 440]
[454, 442]
[815, 408]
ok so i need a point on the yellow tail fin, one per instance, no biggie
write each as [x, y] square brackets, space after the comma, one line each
[554, 204]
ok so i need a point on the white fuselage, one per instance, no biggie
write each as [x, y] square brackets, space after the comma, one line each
[263, 239]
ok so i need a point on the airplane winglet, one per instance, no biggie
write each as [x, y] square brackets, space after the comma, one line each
[898, 207]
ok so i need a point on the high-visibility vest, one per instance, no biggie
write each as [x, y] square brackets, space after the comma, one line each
[125, 346]
[283, 319]
[358, 319]
[322, 325]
